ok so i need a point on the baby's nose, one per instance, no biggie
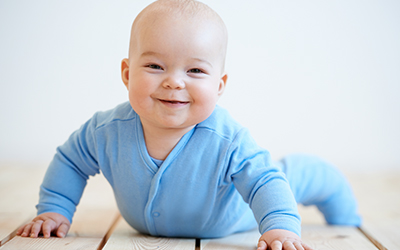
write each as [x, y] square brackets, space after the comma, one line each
[174, 82]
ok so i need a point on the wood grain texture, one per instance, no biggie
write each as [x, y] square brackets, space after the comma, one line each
[323, 237]
[385, 233]
[19, 189]
[372, 239]
[53, 243]
[9, 223]
[378, 193]
[319, 237]
[87, 232]
[125, 237]
[240, 241]
[95, 214]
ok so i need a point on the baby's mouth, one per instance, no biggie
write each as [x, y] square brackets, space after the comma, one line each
[173, 101]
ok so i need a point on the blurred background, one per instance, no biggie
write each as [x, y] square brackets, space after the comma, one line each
[317, 77]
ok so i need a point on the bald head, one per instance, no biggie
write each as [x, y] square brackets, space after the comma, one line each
[190, 12]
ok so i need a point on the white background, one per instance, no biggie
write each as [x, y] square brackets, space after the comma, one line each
[320, 77]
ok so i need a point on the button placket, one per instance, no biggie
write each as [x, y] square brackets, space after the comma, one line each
[149, 213]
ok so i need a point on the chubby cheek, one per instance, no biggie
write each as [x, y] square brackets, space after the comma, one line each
[204, 103]
[139, 96]
[134, 100]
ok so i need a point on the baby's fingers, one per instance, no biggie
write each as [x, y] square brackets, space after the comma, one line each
[298, 245]
[48, 227]
[20, 229]
[36, 228]
[62, 230]
[26, 229]
[277, 245]
[262, 245]
[306, 247]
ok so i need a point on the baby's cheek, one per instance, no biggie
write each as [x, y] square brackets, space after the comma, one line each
[138, 93]
[136, 102]
[205, 109]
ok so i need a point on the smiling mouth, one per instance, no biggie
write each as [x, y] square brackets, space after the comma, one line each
[173, 102]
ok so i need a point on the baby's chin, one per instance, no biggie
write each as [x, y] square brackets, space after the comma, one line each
[185, 118]
[184, 125]
[178, 125]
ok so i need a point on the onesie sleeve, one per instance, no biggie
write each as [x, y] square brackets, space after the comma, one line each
[68, 172]
[263, 186]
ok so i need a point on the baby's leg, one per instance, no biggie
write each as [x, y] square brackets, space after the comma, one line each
[316, 182]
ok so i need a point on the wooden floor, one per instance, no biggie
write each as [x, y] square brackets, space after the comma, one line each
[98, 225]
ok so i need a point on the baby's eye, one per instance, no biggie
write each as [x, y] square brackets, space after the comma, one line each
[154, 66]
[195, 71]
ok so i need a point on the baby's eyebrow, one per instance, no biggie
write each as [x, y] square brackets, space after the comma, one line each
[203, 61]
[149, 53]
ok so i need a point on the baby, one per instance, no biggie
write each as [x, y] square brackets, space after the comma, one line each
[179, 165]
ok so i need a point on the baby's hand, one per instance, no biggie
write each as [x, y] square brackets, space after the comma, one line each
[278, 239]
[46, 224]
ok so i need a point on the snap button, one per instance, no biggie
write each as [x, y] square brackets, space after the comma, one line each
[156, 214]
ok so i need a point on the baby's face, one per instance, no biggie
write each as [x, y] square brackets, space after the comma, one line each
[175, 71]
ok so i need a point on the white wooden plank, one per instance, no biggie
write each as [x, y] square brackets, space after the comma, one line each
[378, 194]
[67, 243]
[9, 223]
[19, 188]
[95, 215]
[317, 236]
[87, 232]
[386, 233]
[125, 237]
[240, 241]
[335, 237]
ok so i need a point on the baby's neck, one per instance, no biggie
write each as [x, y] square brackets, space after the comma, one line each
[160, 142]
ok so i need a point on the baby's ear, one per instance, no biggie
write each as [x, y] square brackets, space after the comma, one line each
[125, 71]
[222, 83]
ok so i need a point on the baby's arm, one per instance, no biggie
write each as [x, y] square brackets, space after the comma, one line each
[265, 188]
[46, 224]
[63, 185]
[278, 239]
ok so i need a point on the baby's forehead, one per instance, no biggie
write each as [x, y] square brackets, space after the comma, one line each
[182, 10]
[184, 14]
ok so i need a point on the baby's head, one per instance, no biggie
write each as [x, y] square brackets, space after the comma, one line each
[181, 14]
[175, 70]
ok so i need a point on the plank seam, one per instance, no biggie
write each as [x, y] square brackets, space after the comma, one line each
[372, 239]
[109, 232]
[13, 233]
[8, 237]
[197, 246]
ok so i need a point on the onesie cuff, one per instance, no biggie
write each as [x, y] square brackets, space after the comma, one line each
[49, 208]
[286, 222]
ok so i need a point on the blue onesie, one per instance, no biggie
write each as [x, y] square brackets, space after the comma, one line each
[215, 182]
